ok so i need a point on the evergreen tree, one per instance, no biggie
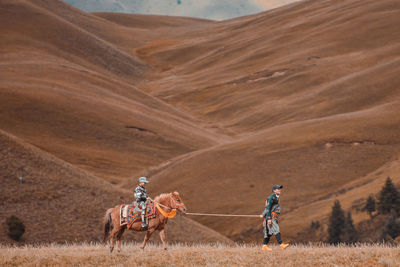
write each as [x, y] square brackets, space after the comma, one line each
[349, 232]
[336, 224]
[389, 198]
[392, 226]
[370, 206]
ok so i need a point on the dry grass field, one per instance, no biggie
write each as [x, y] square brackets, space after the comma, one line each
[199, 255]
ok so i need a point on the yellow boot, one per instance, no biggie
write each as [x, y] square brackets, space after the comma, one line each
[266, 248]
[284, 246]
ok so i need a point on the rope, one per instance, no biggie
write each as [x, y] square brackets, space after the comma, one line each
[222, 215]
[161, 204]
[211, 214]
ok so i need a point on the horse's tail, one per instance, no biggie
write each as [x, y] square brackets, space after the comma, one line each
[107, 223]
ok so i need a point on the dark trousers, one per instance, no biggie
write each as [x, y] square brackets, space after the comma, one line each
[278, 238]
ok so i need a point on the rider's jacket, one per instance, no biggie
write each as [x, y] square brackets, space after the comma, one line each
[140, 194]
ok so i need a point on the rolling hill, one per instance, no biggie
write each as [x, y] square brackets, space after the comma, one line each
[68, 94]
[59, 202]
[310, 95]
[77, 91]
[306, 95]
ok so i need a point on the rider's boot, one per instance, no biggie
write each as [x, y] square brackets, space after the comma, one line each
[266, 248]
[284, 246]
[143, 222]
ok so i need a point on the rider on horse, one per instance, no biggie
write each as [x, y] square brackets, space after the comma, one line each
[141, 196]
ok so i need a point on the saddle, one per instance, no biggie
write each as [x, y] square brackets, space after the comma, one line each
[130, 213]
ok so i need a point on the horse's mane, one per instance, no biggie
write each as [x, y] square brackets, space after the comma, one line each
[161, 197]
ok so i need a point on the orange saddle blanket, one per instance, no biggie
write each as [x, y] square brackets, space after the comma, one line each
[129, 214]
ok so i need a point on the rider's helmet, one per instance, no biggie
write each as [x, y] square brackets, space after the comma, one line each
[143, 180]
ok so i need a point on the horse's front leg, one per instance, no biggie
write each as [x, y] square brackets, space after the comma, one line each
[146, 238]
[163, 239]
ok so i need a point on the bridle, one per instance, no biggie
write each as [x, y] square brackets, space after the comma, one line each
[177, 206]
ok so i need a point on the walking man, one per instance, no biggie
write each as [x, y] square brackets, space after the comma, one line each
[270, 215]
[141, 196]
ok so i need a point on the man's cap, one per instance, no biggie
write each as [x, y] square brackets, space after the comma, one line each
[276, 186]
[143, 180]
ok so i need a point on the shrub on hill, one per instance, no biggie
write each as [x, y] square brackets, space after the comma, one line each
[391, 227]
[315, 225]
[16, 228]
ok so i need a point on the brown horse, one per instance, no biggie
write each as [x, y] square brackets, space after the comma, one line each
[169, 203]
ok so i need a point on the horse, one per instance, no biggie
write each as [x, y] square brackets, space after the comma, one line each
[168, 204]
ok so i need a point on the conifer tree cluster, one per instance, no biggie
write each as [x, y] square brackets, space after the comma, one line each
[341, 228]
[389, 203]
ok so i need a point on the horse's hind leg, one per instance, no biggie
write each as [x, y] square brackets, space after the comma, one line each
[112, 237]
[119, 236]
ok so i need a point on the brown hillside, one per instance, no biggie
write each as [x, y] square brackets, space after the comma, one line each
[306, 95]
[310, 60]
[315, 160]
[309, 92]
[57, 94]
[36, 24]
[58, 202]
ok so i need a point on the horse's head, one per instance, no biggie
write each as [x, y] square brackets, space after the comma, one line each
[177, 202]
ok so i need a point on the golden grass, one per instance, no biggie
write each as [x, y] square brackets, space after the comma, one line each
[199, 255]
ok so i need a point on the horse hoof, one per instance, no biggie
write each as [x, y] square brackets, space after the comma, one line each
[118, 250]
[165, 249]
[111, 250]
